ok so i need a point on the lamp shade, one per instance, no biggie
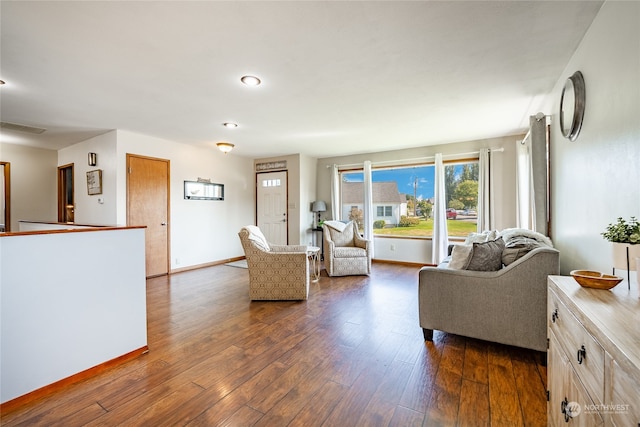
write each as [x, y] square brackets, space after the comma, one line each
[319, 206]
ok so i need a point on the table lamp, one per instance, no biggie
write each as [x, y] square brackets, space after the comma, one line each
[318, 206]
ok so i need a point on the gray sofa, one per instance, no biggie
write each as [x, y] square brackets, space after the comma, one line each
[507, 306]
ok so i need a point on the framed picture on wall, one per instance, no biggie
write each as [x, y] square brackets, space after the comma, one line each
[198, 190]
[94, 182]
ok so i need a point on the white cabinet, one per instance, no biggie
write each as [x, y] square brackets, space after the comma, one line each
[594, 355]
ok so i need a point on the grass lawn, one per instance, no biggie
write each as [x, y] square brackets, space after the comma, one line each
[425, 228]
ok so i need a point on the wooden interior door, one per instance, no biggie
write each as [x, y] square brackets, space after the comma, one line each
[271, 205]
[148, 205]
[66, 204]
[5, 198]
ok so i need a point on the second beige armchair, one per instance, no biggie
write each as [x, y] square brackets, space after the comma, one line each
[345, 251]
[276, 272]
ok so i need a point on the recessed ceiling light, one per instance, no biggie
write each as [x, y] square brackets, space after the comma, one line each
[250, 80]
[230, 125]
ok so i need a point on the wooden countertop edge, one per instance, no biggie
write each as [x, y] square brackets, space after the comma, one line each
[69, 230]
[28, 221]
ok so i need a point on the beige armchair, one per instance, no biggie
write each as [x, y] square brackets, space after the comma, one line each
[345, 252]
[276, 272]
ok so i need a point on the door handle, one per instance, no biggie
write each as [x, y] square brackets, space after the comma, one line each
[163, 223]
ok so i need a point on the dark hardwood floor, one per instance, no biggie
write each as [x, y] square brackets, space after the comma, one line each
[352, 355]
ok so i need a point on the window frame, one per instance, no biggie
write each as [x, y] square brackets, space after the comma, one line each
[358, 170]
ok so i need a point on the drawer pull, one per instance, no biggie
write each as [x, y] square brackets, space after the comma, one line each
[569, 409]
[554, 315]
[563, 408]
[582, 354]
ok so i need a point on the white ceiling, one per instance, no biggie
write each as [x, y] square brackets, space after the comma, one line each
[338, 77]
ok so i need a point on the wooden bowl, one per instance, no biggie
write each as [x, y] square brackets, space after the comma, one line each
[595, 279]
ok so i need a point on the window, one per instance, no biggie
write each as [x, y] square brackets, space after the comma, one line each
[461, 190]
[271, 182]
[384, 210]
[403, 199]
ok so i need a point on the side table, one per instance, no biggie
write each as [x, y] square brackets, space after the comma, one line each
[313, 253]
[321, 243]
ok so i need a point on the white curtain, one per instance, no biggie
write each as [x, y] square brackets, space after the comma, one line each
[368, 205]
[440, 240]
[485, 200]
[525, 195]
[335, 193]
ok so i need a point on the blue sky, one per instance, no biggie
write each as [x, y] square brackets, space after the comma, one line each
[405, 177]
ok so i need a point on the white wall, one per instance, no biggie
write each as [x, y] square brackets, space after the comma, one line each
[403, 250]
[65, 308]
[88, 210]
[308, 171]
[419, 250]
[202, 231]
[597, 178]
[33, 183]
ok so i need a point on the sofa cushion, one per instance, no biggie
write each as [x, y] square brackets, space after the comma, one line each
[485, 236]
[510, 234]
[518, 246]
[342, 238]
[349, 252]
[460, 256]
[486, 256]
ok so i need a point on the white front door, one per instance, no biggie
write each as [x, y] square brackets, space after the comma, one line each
[272, 206]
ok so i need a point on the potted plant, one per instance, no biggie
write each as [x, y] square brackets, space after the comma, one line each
[625, 236]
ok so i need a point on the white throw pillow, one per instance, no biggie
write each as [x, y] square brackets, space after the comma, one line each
[485, 236]
[256, 236]
[460, 256]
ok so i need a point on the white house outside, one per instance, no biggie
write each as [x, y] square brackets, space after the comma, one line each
[388, 203]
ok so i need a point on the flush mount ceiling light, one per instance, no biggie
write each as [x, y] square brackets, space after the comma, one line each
[250, 80]
[230, 125]
[225, 147]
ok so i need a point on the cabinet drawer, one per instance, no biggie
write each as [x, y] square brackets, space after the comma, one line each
[584, 353]
[625, 402]
[565, 388]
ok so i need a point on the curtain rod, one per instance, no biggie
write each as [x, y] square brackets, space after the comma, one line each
[417, 159]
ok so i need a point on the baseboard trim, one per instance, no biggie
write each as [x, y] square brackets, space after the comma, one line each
[15, 403]
[207, 264]
[408, 264]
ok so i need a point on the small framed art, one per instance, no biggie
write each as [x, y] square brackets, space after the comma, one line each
[199, 190]
[94, 182]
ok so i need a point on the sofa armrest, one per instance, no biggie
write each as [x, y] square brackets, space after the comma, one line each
[361, 242]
